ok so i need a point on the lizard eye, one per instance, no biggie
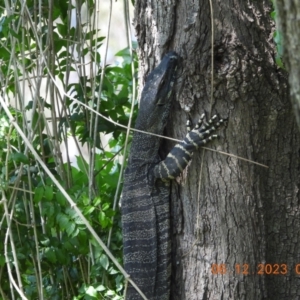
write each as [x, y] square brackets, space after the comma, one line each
[173, 58]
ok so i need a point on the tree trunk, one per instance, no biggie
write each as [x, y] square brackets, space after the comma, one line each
[235, 223]
[288, 16]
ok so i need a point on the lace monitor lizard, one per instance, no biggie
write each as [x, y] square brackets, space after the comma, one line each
[145, 197]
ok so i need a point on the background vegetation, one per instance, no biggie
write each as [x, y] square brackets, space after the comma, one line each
[47, 251]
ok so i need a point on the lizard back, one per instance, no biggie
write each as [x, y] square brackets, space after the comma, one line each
[145, 199]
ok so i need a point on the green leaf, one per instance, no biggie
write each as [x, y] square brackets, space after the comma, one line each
[105, 206]
[19, 157]
[62, 256]
[279, 61]
[38, 194]
[123, 52]
[110, 293]
[100, 288]
[82, 238]
[48, 193]
[29, 105]
[50, 255]
[277, 37]
[60, 198]
[91, 291]
[104, 261]
[44, 240]
[110, 213]
[5, 54]
[71, 212]
[62, 29]
[88, 210]
[82, 164]
[70, 229]
[2, 260]
[112, 271]
[103, 219]
[14, 34]
[273, 15]
[62, 220]
[37, 121]
[48, 209]
[111, 179]
[85, 200]
[78, 220]
[97, 201]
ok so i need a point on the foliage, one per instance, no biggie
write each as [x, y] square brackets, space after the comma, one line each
[277, 39]
[46, 248]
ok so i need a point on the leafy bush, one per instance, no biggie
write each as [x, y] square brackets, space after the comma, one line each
[47, 251]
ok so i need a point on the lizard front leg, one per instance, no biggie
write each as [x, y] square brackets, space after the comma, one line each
[181, 154]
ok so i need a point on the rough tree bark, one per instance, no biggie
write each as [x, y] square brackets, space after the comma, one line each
[288, 17]
[225, 210]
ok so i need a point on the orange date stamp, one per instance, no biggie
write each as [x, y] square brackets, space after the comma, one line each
[259, 269]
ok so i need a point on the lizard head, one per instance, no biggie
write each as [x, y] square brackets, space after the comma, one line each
[157, 94]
